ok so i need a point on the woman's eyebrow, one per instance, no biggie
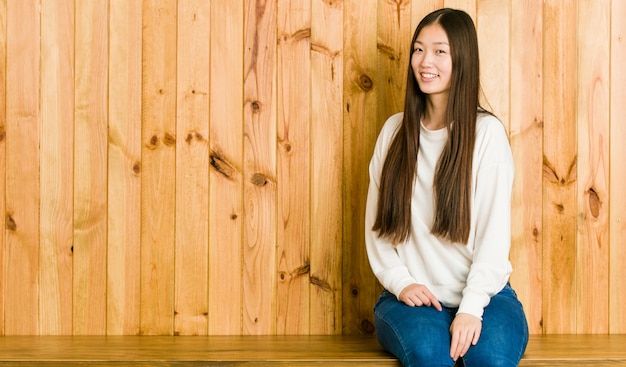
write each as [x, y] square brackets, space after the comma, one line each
[434, 43]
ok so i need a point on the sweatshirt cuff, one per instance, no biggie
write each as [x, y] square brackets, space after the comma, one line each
[399, 285]
[473, 303]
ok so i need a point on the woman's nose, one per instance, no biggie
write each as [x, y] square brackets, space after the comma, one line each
[426, 59]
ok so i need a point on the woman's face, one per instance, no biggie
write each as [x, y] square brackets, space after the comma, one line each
[431, 60]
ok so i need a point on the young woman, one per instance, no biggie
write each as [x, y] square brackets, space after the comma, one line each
[438, 212]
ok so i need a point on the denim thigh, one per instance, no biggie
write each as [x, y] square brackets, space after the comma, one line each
[417, 336]
[420, 336]
[504, 334]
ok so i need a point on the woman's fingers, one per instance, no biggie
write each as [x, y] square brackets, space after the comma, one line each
[460, 344]
[419, 295]
[465, 331]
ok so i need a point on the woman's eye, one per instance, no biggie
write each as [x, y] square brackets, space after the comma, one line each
[441, 51]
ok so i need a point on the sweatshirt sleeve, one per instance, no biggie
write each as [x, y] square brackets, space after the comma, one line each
[493, 180]
[392, 274]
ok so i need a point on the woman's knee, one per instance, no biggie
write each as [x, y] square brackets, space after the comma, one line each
[504, 334]
[417, 336]
[505, 317]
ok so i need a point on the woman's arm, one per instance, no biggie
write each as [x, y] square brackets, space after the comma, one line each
[491, 213]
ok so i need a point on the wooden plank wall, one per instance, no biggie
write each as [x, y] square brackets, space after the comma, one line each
[200, 167]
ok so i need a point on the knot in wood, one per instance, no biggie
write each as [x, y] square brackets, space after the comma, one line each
[365, 82]
[221, 165]
[169, 140]
[199, 136]
[594, 202]
[154, 141]
[194, 135]
[320, 283]
[137, 167]
[10, 223]
[259, 179]
[256, 106]
[288, 147]
[302, 270]
[367, 327]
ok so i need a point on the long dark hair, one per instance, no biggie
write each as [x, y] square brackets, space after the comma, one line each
[453, 176]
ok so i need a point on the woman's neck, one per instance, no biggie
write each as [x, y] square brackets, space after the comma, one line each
[435, 114]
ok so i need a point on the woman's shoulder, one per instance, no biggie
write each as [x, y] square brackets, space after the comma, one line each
[492, 140]
[393, 122]
[386, 135]
[489, 125]
[390, 127]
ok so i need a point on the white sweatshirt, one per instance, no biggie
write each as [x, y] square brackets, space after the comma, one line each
[463, 276]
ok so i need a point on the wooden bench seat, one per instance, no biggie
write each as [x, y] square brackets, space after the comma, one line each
[327, 351]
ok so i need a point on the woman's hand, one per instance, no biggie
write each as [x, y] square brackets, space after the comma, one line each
[418, 295]
[465, 331]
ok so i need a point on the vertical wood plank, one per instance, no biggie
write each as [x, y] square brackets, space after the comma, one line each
[327, 62]
[468, 6]
[293, 118]
[559, 167]
[526, 130]
[124, 168]
[421, 8]
[90, 157]
[23, 123]
[361, 123]
[158, 167]
[394, 35]
[192, 172]
[226, 160]
[493, 25]
[56, 170]
[3, 157]
[617, 199]
[260, 186]
[593, 166]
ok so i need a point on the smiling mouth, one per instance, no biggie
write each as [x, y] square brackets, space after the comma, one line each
[429, 75]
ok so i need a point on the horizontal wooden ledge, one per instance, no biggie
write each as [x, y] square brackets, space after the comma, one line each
[263, 351]
[194, 351]
[557, 350]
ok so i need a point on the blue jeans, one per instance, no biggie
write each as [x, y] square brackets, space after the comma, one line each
[420, 336]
